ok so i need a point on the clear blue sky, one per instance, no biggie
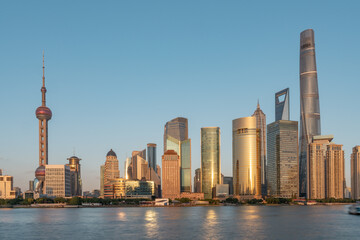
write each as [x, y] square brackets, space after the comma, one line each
[116, 71]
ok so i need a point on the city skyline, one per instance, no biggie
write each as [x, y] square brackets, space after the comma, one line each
[94, 112]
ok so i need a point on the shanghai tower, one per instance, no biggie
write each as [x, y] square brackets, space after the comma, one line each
[309, 102]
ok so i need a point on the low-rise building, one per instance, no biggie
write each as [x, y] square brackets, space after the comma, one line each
[6, 187]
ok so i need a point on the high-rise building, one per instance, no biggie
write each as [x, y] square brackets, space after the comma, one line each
[282, 105]
[0, 172]
[170, 175]
[151, 151]
[31, 185]
[197, 181]
[283, 159]
[75, 176]
[335, 171]
[127, 169]
[246, 157]
[229, 181]
[210, 160]
[102, 175]
[6, 187]
[316, 167]
[261, 125]
[44, 114]
[176, 138]
[111, 167]
[355, 173]
[309, 102]
[138, 159]
[58, 183]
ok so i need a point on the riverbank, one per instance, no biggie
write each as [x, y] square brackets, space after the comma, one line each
[169, 206]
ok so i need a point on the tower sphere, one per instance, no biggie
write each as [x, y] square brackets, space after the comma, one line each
[40, 173]
[43, 112]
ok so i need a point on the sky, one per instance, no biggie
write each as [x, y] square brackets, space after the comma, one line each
[117, 71]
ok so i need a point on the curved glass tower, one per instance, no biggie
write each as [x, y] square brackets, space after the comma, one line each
[309, 102]
[210, 160]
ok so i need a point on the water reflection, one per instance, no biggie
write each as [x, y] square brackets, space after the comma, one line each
[151, 223]
[210, 225]
[121, 216]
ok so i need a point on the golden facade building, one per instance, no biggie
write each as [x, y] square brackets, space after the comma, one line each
[138, 158]
[115, 189]
[210, 160]
[246, 158]
[316, 166]
[75, 176]
[170, 175]
[111, 167]
[355, 173]
[335, 180]
[261, 125]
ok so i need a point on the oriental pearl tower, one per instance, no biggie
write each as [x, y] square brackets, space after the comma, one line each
[43, 113]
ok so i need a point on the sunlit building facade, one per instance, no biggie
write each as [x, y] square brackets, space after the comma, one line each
[246, 157]
[115, 189]
[335, 171]
[138, 159]
[210, 160]
[355, 173]
[139, 189]
[309, 102]
[316, 167]
[75, 176]
[283, 159]
[176, 138]
[6, 187]
[170, 175]
[127, 169]
[57, 179]
[111, 167]
[261, 126]
[102, 175]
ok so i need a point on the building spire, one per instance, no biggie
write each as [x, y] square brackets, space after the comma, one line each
[43, 89]
[258, 104]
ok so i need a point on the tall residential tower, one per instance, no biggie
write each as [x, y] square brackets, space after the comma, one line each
[309, 102]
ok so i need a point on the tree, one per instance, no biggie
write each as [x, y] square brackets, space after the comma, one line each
[75, 201]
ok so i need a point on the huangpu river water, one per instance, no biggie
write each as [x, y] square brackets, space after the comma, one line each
[227, 222]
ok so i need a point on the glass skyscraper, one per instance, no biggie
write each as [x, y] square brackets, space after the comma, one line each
[246, 157]
[309, 102]
[151, 151]
[282, 105]
[283, 159]
[210, 160]
[176, 138]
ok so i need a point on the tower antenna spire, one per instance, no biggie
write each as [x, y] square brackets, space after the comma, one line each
[258, 104]
[43, 89]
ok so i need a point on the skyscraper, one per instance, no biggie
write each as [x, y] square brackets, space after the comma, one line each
[138, 159]
[170, 175]
[176, 138]
[246, 157]
[210, 160]
[316, 180]
[283, 159]
[75, 176]
[261, 125]
[102, 175]
[309, 102]
[282, 105]
[44, 114]
[127, 169]
[197, 181]
[355, 173]
[151, 151]
[111, 167]
[335, 171]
